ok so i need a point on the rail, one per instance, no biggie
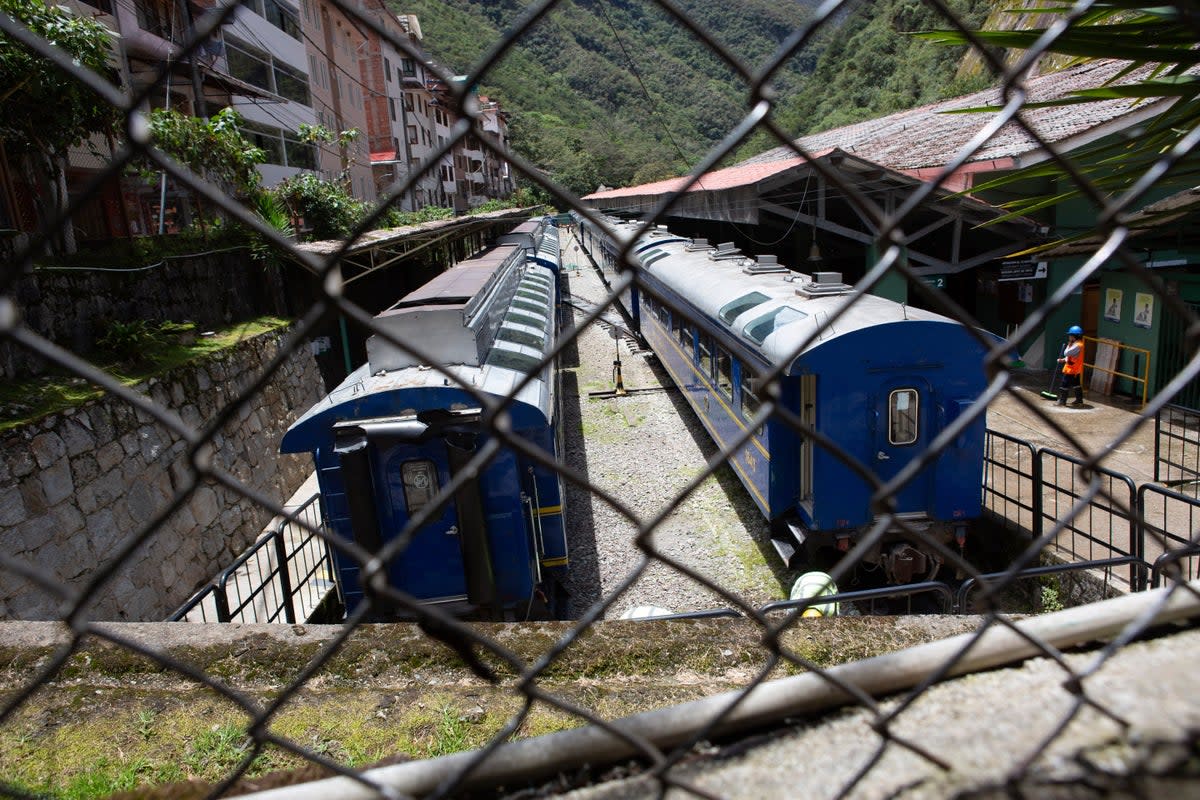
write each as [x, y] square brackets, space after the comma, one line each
[1176, 445]
[286, 576]
[1112, 351]
[1091, 516]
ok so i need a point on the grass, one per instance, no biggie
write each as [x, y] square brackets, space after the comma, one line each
[108, 727]
[22, 402]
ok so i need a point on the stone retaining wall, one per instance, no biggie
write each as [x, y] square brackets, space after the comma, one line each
[72, 308]
[77, 487]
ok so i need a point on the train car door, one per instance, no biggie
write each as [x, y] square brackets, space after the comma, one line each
[431, 567]
[902, 431]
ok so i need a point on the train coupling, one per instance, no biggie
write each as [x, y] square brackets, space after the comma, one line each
[904, 563]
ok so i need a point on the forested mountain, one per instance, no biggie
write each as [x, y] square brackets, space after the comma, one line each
[619, 92]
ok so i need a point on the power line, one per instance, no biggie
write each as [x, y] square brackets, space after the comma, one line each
[652, 105]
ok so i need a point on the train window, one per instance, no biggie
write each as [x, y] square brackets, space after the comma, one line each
[664, 315]
[509, 359]
[685, 337]
[525, 305]
[725, 373]
[529, 293]
[525, 319]
[750, 401]
[507, 334]
[759, 329]
[705, 352]
[731, 311]
[420, 484]
[902, 416]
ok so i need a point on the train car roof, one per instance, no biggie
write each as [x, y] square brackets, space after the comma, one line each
[487, 322]
[778, 312]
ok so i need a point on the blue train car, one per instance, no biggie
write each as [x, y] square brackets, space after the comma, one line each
[879, 379]
[390, 439]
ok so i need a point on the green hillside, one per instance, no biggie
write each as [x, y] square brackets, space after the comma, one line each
[618, 92]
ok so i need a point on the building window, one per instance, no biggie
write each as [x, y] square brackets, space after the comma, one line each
[291, 84]
[281, 17]
[281, 147]
[392, 108]
[101, 5]
[153, 18]
[412, 134]
[408, 67]
[387, 69]
[249, 65]
[258, 68]
[408, 101]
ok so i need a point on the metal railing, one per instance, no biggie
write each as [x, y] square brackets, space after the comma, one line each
[1176, 445]
[1092, 515]
[287, 576]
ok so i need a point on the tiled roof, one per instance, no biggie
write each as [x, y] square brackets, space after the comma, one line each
[928, 137]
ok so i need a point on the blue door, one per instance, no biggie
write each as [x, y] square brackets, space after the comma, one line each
[431, 567]
[903, 429]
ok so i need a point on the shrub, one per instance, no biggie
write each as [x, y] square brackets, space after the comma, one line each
[328, 210]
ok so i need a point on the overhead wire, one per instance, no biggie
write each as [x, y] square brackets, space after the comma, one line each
[652, 105]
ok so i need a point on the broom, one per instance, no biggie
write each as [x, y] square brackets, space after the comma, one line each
[1050, 394]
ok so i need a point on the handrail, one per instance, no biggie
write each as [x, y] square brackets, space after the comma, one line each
[1144, 380]
[279, 571]
[900, 590]
[1035, 572]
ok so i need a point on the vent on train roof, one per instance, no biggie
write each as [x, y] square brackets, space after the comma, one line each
[765, 264]
[824, 284]
[698, 244]
[724, 252]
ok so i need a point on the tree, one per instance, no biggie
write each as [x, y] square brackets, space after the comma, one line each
[43, 110]
[213, 148]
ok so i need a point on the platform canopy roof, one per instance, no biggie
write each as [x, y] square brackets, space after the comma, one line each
[849, 183]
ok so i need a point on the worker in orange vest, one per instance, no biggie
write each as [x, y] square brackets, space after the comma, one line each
[1072, 367]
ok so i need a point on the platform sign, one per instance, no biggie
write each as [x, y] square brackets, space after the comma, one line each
[1022, 270]
[936, 281]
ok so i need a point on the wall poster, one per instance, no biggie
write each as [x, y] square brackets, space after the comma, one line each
[1143, 309]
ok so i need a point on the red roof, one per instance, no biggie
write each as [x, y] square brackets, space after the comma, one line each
[728, 178]
[383, 156]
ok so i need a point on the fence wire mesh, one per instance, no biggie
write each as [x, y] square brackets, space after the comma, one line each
[668, 747]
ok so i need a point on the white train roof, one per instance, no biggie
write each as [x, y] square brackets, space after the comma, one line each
[771, 309]
[487, 323]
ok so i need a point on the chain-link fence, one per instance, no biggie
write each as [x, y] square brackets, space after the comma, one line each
[670, 745]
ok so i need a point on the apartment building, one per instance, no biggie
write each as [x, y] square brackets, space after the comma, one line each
[393, 119]
[264, 45]
[281, 64]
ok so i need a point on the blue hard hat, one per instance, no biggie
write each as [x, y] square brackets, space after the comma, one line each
[1075, 330]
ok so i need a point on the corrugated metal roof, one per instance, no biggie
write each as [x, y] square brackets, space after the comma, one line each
[729, 178]
[921, 140]
[929, 137]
